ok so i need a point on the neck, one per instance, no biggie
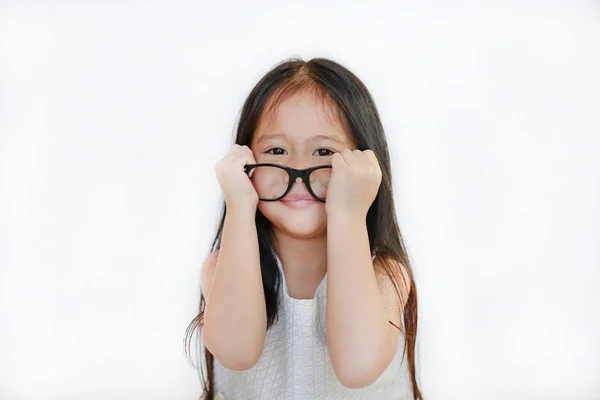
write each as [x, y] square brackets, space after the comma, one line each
[307, 255]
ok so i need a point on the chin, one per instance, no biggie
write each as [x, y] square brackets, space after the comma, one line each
[302, 224]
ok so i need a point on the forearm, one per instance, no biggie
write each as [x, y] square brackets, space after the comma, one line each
[357, 327]
[235, 318]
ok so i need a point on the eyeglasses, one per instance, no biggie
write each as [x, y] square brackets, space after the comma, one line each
[273, 182]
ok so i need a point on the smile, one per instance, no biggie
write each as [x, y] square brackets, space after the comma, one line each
[299, 203]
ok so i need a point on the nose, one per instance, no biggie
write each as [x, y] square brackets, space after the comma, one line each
[298, 161]
[298, 179]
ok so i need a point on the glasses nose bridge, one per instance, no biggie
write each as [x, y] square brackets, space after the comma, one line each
[299, 173]
[304, 175]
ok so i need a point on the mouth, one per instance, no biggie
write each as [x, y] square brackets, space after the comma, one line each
[299, 202]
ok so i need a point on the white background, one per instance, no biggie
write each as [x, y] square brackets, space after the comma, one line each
[113, 114]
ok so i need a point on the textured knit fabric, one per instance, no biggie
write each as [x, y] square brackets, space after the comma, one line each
[295, 364]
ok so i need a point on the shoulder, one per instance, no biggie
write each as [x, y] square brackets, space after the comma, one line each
[208, 271]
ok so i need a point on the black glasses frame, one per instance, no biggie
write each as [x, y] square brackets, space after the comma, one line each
[293, 173]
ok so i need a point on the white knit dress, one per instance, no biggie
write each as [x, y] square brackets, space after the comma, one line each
[295, 364]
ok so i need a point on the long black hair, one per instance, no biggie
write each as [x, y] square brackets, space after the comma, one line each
[335, 84]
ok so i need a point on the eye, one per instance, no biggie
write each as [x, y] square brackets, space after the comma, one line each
[324, 152]
[278, 151]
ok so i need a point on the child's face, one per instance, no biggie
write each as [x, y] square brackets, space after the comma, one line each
[300, 134]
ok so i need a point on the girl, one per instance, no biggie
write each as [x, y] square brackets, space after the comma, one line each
[304, 291]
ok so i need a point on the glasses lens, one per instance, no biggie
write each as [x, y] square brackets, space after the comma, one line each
[270, 182]
[319, 181]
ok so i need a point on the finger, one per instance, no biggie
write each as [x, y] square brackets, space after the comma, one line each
[371, 157]
[337, 160]
[347, 156]
[248, 157]
[373, 162]
[237, 150]
[360, 156]
[242, 156]
[234, 151]
[360, 160]
[242, 149]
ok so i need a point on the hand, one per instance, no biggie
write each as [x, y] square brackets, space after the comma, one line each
[354, 182]
[233, 180]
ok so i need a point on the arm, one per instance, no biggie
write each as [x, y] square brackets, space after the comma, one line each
[235, 321]
[361, 303]
[361, 300]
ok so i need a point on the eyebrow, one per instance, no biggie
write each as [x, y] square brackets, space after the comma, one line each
[312, 138]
